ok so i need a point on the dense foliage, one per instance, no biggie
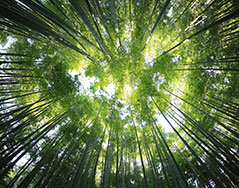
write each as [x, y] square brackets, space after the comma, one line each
[112, 93]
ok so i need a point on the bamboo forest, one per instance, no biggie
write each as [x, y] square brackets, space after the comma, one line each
[119, 93]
